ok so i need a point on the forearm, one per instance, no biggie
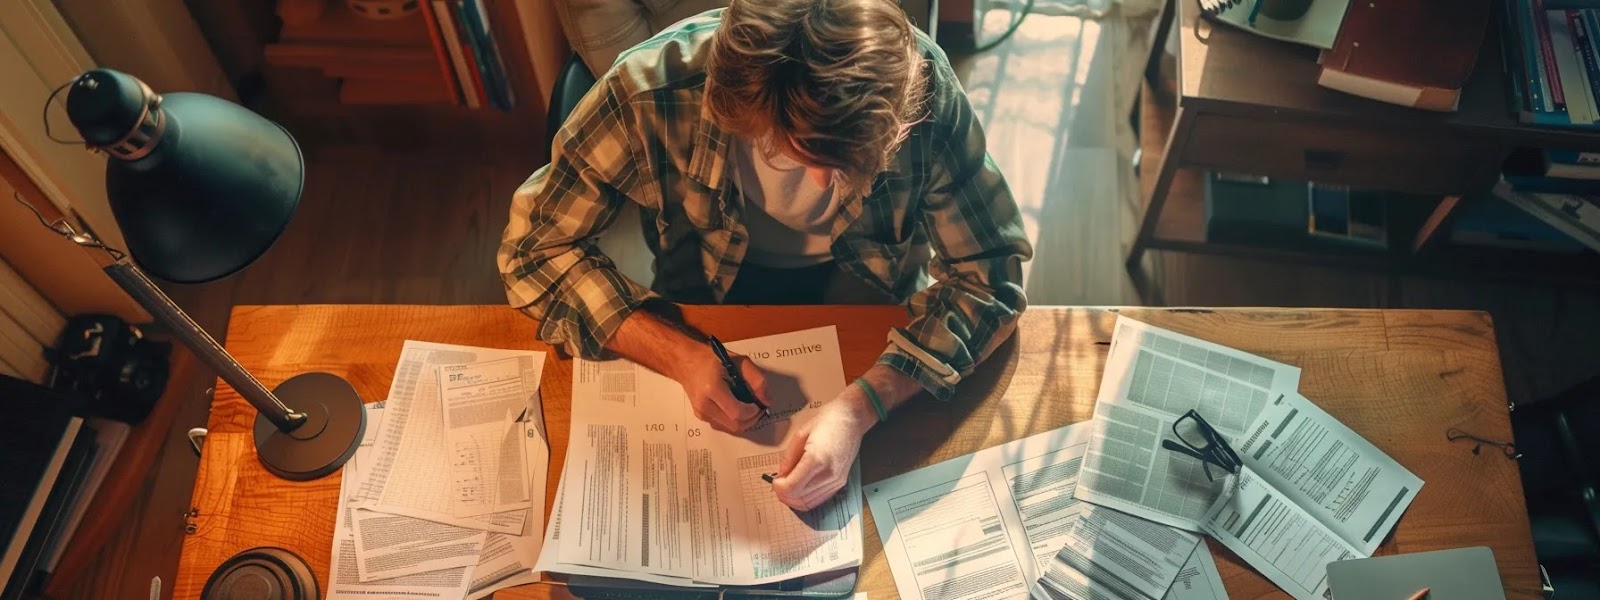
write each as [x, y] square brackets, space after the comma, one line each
[893, 388]
[659, 345]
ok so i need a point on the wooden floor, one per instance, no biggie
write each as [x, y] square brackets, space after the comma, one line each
[399, 226]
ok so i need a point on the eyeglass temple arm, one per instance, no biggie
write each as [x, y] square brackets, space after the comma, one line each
[1182, 449]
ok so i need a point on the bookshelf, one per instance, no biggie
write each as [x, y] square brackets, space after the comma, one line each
[1246, 104]
[345, 80]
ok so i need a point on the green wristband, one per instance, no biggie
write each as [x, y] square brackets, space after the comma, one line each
[883, 415]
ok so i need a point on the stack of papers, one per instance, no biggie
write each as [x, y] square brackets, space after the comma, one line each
[650, 492]
[1100, 510]
[1002, 523]
[444, 497]
[1311, 491]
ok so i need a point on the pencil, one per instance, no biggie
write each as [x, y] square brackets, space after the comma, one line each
[1420, 595]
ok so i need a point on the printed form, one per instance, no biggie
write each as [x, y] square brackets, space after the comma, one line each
[503, 561]
[483, 404]
[1198, 580]
[650, 488]
[987, 525]
[412, 472]
[344, 582]
[1311, 492]
[1152, 377]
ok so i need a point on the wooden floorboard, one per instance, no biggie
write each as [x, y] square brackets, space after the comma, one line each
[409, 227]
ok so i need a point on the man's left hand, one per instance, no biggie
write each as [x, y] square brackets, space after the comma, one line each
[818, 454]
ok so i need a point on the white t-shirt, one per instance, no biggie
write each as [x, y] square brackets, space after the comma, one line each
[789, 217]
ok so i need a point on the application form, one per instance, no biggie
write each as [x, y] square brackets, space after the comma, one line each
[411, 470]
[483, 405]
[550, 556]
[344, 582]
[1276, 537]
[1137, 558]
[1350, 486]
[1152, 377]
[1197, 580]
[508, 560]
[648, 487]
[986, 525]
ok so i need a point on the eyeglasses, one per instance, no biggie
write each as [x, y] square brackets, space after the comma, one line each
[1198, 439]
[1507, 448]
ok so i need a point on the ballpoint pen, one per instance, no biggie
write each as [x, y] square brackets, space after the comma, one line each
[736, 383]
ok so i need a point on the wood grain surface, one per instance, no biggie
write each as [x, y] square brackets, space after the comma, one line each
[1399, 378]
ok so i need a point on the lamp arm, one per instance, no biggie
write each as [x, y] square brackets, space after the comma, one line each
[121, 270]
[206, 348]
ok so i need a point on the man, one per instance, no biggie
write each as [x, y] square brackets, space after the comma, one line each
[781, 151]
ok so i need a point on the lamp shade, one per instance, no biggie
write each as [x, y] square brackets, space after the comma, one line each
[200, 186]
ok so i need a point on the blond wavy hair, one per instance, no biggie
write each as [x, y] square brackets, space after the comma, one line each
[833, 83]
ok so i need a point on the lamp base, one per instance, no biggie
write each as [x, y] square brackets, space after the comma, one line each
[262, 574]
[334, 423]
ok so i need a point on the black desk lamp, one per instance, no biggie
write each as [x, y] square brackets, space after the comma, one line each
[201, 187]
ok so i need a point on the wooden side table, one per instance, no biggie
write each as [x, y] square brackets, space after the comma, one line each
[1247, 104]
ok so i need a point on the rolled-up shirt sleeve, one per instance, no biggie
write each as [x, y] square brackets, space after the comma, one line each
[979, 246]
[548, 260]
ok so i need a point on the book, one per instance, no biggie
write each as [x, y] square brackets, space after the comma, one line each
[1518, 94]
[109, 437]
[1490, 221]
[1574, 82]
[469, 53]
[46, 531]
[1573, 215]
[441, 53]
[452, 41]
[1586, 57]
[1547, 58]
[490, 64]
[1416, 54]
[38, 428]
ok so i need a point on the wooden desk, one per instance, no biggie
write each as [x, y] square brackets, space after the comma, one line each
[1400, 378]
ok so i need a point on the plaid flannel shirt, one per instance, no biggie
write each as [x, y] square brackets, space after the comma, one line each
[643, 135]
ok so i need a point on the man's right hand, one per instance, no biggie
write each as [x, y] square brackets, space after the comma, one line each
[706, 383]
[650, 341]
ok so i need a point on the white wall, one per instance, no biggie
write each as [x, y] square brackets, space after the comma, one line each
[39, 52]
[28, 324]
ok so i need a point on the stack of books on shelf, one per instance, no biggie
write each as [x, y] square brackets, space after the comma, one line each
[1552, 62]
[469, 58]
[1556, 195]
[447, 54]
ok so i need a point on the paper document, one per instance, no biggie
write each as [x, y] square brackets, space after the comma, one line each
[1348, 485]
[482, 405]
[1152, 377]
[395, 546]
[343, 581]
[411, 474]
[1197, 580]
[508, 560]
[1134, 557]
[1276, 537]
[654, 489]
[550, 556]
[985, 525]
